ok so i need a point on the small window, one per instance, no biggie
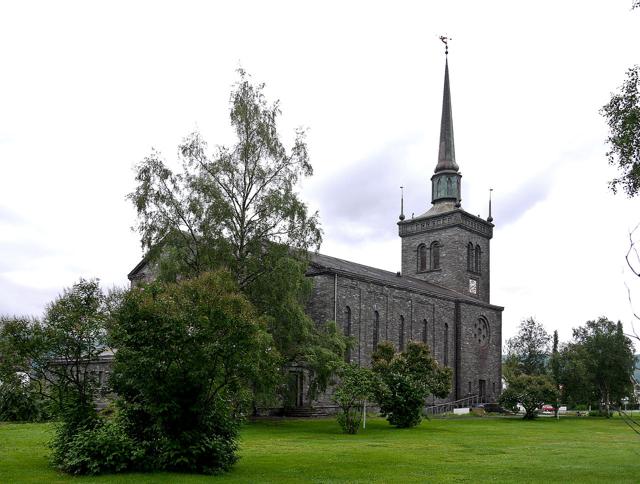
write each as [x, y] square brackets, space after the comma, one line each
[347, 331]
[424, 331]
[376, 329]
[401, 334]
[422, 258]
[435, 255]
[470, 257]
[478, 264]
[469, 388]
[446, 344]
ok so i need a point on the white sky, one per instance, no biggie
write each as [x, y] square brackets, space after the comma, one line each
[88, 88]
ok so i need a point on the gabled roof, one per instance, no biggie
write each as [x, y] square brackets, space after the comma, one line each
[324, 263]
[320, 264]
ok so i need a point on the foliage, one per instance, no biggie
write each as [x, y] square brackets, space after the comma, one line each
[56, 354]
[608, 359]
[405, 380]
[554, 369]
[355, 388]
[19, 400]
[100, 449]
[622, 113]
[233, 207]
[531, 391]
[527, 351]
[238, 209]
[281, 298]
[188, 355]
[572, 375]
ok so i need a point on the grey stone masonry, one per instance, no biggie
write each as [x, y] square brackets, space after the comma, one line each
[372, 305]
[453, 231]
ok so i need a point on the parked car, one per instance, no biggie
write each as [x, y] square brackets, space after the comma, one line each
[548, 409]
[493, 408]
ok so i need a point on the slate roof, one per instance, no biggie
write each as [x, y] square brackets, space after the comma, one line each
[325, 263]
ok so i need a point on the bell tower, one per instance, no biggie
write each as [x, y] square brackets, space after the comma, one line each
[447, 245]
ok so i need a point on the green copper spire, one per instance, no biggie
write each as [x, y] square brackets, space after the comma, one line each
[445, 182]
[447, 152]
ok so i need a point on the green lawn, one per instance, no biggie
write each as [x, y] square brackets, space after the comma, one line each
[471, 449]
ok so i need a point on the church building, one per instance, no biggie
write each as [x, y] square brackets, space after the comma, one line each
[441, 296]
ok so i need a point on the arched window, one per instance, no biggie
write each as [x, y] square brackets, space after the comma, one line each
[478, 258]
[435, 255]
[376, 329]
[446, 344]
[470, 261]
[401, 334]
[422, 258]
[347, 331]
[424, 331]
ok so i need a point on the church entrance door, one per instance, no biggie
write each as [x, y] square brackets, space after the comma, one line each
[294, 393]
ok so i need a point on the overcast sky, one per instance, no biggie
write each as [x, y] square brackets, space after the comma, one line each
[87, 89]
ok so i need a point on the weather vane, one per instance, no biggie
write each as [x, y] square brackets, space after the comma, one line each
[445, 40]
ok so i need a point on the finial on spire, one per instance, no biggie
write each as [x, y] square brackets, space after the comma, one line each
[401, 203]
[445, 40]
[490, 218]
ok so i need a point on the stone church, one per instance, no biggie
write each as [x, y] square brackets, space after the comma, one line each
[441, 297]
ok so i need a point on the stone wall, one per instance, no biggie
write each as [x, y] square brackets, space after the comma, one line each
[454, 232]
[449, 327]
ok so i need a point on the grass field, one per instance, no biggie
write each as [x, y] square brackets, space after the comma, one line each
[472, 449]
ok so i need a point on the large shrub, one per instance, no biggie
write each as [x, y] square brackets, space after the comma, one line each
[102, 448]
[355, 388]
[405, 380]
[531, 391]
[189, 354]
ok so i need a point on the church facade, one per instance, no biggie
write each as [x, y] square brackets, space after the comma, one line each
[440, 297]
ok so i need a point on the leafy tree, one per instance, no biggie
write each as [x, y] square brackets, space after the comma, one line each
[622, 113]
[238, 209]
[608, 359]
[572, 375]
[19, 400]
[56, 354]
[188, 355]
[355, 388]
[554, 367]
[527, 352]
[405, 380]
[531, 391]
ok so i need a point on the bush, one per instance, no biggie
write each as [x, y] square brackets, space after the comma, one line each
[188, 356]
[405, 380]
[531, 392]
[356, 386]
[104, 448]
[18, 403]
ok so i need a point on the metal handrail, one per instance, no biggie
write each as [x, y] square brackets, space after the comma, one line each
[449, 406]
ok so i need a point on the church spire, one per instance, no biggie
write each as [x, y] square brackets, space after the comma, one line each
[445, 182]
[447, 151]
